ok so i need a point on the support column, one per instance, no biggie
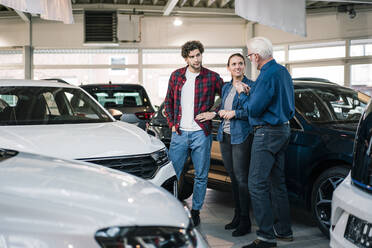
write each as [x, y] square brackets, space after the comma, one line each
[27, 62]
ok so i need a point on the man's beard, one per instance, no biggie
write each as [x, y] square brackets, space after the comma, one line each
[196, 68]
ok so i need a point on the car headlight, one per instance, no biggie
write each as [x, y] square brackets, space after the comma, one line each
[160, 157]
[146, 237]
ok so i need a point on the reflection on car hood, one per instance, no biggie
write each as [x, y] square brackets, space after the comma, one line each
[75, 141]
[54, 196]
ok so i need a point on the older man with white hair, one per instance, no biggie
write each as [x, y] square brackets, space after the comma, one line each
[270, 106]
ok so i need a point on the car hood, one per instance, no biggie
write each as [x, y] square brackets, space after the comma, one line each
[77, 141]
[348, 127]
[47, 194]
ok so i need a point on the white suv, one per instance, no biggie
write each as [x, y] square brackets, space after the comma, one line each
[351, 221]
[62, 120]
[55, 203]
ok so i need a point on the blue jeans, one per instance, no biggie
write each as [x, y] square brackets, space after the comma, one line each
[266, 182]
[200, 147]
[235, 159]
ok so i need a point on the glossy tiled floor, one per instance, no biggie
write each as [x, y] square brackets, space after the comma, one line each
[218, 210]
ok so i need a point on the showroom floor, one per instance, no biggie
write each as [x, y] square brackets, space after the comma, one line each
[217, 211]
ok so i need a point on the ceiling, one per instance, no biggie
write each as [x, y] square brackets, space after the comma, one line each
[194, 7]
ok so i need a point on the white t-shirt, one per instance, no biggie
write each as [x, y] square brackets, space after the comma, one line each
[187, 103]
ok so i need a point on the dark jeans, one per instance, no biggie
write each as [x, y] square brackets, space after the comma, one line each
[266, 182]
[236, 159]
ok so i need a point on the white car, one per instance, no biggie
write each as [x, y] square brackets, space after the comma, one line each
[351, 221]
[49, 202]
[61, 120]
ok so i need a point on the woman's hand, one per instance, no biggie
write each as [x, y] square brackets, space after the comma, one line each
[227, 114]
[241, 87]
[222, 113]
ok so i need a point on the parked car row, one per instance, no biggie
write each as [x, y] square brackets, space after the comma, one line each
[126, 102]
[320, 152]
[92, 201]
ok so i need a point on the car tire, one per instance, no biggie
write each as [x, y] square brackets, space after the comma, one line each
[321, 195]
[185, 188]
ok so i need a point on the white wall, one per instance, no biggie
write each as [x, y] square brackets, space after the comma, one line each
[160, 32]
[157, 32]
[323, 27]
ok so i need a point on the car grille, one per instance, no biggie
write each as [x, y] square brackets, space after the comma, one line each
[143, 166]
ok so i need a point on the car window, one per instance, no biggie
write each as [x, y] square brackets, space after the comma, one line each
[50, 105]
[111, 97]
[330, 104]
[311, 106]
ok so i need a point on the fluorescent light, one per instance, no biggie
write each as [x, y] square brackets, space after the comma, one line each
[177, 22]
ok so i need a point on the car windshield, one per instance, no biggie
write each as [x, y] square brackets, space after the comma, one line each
[330, 104]
[26, 105]
[111, 96]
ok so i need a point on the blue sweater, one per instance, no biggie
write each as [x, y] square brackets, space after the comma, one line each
[239, 125]
[271, 99]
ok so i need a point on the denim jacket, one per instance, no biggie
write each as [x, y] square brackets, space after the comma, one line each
[239, 125]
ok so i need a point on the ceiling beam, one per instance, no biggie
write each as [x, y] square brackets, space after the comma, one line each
[348, 1]
[210, 2]
[169, 7]
[195, 2]
[25, 16]
[182, 2]
[224, 2]
[141, 2]
[124, 8]
[154, 2]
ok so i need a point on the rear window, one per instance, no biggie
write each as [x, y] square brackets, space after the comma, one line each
[112, 96]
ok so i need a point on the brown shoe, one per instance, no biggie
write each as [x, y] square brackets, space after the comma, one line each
[258, 243]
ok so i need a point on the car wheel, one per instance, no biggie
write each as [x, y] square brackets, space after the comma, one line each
[321, 196]
[185, 188]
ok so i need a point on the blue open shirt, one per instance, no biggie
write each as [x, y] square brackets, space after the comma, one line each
[271, 98]
[239, 125]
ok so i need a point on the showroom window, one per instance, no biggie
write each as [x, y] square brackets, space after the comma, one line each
[160, 63]
[155, 82]
[87, 66]
[279, 53]
[219, 55]
[317, 51]
[361, 47]
[361, 77]
[83, 56]
[11, 64]
[332, 73]
[88, 76]
[162, 56]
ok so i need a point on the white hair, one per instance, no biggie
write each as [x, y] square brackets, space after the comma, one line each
[262, 46]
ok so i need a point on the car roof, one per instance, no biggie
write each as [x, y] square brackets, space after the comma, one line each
[128, 86]
[307, 83]
[33, 83]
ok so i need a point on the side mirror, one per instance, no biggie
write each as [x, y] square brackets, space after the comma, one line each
[115, 113]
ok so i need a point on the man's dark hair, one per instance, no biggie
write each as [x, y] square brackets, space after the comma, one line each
[191, 46]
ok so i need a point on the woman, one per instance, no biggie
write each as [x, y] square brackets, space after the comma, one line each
[235, 137]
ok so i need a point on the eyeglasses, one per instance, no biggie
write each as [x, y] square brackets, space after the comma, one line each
[249, 55]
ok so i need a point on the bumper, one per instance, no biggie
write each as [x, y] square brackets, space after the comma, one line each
[348, 199]
[166, 178]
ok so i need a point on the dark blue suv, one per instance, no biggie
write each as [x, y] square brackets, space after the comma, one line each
[319, 154]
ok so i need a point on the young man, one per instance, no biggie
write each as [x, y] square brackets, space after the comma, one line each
[190, 96]
[270, 106]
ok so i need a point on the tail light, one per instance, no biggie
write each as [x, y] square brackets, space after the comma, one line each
[144, 115]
